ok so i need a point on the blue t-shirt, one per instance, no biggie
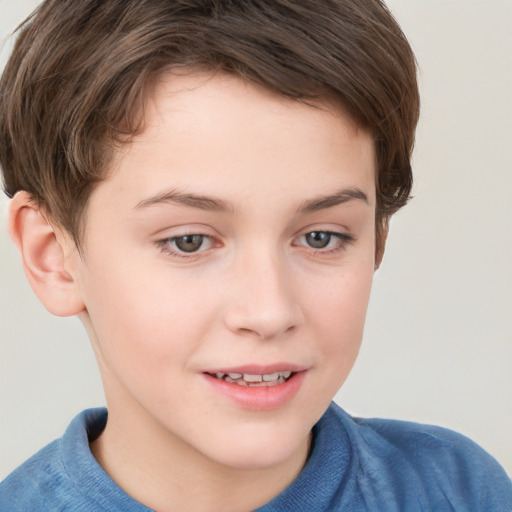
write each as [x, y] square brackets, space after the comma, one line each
[355, 465]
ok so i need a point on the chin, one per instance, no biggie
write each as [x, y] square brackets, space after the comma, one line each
[259, 451]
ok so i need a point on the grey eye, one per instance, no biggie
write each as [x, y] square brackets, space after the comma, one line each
[189, 243]
[318, 239]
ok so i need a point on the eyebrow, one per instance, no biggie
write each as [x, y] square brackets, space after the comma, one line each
[209, 203]
[339, 197]
[185, 199]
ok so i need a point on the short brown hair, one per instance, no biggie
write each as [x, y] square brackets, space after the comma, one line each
[79, 73]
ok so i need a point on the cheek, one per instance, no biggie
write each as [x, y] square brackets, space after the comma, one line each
[144, 320]
[335, 321]
[338, 311]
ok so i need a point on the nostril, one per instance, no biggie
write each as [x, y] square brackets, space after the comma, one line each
[264, 316]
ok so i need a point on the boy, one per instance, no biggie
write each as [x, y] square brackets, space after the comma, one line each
[208, 185]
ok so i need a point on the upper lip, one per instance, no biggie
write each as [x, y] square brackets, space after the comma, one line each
[259, 369]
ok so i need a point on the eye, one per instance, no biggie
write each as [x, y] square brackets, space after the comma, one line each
[189, 243]
[184, 245]
[325, 241]
[318, 239]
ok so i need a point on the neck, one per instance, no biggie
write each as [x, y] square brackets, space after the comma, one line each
[164, 473]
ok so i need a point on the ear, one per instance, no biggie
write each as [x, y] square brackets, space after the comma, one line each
[43, 257]
[380, 242]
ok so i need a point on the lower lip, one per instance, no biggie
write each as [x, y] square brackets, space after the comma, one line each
[258, 398]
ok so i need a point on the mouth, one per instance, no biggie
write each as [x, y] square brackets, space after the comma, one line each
[253, 379]
[257, 388]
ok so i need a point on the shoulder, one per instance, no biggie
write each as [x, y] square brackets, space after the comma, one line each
[425, 444]
[439, 464]
[31, 485]
[65, 475]
[42, 482]
[412, 440]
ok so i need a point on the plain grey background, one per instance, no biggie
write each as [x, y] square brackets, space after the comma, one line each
[438, 342]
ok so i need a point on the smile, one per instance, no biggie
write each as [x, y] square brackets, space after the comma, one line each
[257, 388]
[254, 380]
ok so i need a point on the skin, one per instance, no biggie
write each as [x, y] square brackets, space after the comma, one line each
[254, 293]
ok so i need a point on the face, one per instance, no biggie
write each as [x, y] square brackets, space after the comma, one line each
[227, 268]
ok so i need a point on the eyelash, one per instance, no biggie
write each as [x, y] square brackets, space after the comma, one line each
[342, 240]
[166, 247]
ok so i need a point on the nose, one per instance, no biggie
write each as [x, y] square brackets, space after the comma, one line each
[264, 301]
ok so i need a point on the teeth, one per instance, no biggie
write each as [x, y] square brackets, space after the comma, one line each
[252, 378]
[268, 377]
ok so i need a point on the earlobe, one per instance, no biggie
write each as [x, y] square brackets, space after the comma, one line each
[43, 257]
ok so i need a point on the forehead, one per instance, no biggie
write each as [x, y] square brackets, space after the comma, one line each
[222, 135]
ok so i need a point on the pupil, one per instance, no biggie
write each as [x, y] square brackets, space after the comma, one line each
[189, 243]
[318, 239]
